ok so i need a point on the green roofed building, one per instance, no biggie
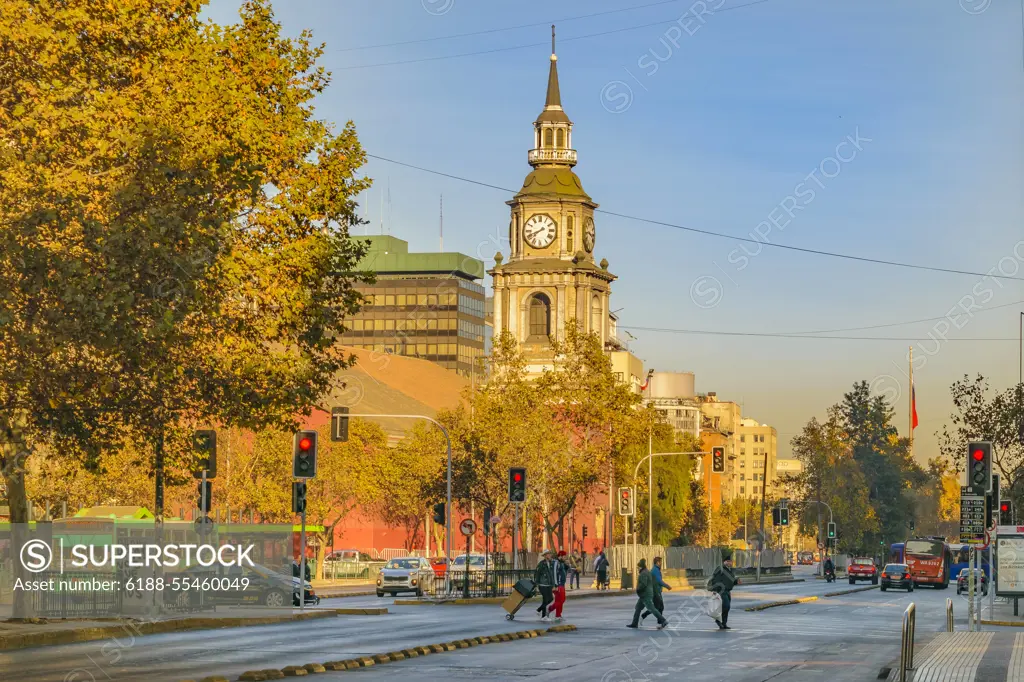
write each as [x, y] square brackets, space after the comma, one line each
[424, 305]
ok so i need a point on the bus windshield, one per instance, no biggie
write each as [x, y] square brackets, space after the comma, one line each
[924, 547]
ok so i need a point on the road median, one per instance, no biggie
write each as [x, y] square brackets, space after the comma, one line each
[390, 656]
[786, 602]
[64, 635]
[851, 591]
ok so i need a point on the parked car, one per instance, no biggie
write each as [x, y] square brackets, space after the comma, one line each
[897, 575]
[406, 574]
[980, 581]
[347, 555]
[862, 568]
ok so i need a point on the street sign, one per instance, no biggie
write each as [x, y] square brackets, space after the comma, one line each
[467, 527]
[339, 424]
[495, 520]
[972, 517]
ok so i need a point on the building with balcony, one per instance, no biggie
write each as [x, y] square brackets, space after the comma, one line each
[424, 305]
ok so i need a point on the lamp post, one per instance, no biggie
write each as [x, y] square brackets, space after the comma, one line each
[650, 483]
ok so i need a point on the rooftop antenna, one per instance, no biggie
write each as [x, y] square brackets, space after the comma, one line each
[552, 38]
[442, 223]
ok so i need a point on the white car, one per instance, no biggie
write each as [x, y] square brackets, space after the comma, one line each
[405, 574]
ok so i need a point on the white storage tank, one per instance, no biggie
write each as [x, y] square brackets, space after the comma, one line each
[672, 385]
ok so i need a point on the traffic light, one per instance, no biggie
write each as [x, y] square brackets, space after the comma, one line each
[625, 502]
[912, 525]
[979, 467]
[439, 515]
[487, 521]
[831, 530]
[776, 516]
[517, 484]
[204, 443]
[784, 516]
[298, 497]
[584, 530]
[1006, 513]
[204, 502]
[339, 424]
[304, 454]
[718, 459]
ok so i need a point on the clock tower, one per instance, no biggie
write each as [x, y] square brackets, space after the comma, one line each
[550, 276]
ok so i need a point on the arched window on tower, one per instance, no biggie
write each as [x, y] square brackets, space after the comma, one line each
[540, 317]
[595, 315]
[560, 139]
[548, 138]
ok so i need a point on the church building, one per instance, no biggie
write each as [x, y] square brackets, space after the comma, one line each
[550, 276]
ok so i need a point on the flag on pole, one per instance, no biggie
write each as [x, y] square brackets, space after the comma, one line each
[913, 407]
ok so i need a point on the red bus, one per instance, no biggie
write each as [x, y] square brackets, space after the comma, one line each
[929, 560]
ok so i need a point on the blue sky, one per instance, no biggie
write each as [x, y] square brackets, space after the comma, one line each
[740, 109]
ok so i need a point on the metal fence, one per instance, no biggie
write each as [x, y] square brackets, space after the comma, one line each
[490, 583]
[75, 597]
[335, 570]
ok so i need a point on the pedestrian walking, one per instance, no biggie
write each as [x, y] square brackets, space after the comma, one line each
[601, 570]
[561, 576]
[544, 577]
[722, 581]
[573, 562]
[659, 585]
[645, 597]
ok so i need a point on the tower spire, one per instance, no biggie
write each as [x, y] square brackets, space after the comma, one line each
[554, 98]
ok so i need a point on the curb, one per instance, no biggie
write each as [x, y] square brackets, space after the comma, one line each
[381, 659]
[1005, 623]
[856, 589]
[498, 600]
[773, 604]
[58, 637]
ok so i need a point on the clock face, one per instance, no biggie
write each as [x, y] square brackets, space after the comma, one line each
[539, 231]
[588, 235]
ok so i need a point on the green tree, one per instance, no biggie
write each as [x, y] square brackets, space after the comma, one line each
[831, 475]
[983, 414]
[173, 227]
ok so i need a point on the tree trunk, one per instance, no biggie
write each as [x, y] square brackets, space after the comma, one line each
[14, 459]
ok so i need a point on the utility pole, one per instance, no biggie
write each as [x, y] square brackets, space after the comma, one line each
[764, 482]
[820, 533]
[650, 487]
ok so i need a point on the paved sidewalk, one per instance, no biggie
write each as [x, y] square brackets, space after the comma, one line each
[970, 657]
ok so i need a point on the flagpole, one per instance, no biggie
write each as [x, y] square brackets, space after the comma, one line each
[910, 415]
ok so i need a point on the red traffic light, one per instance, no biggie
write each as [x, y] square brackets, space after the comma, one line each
[305, 444]
[625, 494]
[978, 455]
[1005, 506]
[517, 477]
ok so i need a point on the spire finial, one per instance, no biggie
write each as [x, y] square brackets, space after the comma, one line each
[552, 38]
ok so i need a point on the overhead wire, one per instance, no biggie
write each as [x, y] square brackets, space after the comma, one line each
[528, 45]
[721, 235]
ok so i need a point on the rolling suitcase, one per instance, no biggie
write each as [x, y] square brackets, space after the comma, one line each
[521, 593]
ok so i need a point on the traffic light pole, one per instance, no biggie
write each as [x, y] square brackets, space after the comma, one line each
[821, 563]
[302, 562]
[448, 441]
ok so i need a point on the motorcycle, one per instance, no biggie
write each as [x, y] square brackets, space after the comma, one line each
[830, 576]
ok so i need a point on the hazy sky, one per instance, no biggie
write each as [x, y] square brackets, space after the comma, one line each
[714, 123]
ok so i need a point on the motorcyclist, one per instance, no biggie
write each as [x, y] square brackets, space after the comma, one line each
[830, 569]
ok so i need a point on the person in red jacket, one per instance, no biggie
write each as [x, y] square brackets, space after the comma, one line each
[561, 573]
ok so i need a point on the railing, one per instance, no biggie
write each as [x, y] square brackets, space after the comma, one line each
[907, 643]
[490, 583]
[540, 155]
[70, 602]
[949, 615]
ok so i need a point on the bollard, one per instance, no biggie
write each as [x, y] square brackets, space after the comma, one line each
[949, 615]
[907, 644]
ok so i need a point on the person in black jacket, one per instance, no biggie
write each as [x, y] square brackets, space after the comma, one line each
[722, 581]
[544, 577]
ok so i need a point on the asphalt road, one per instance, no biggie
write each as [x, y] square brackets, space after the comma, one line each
[846, 638]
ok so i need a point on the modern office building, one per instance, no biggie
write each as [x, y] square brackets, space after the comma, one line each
[672, 394]
[756, 458]
[424, 305]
